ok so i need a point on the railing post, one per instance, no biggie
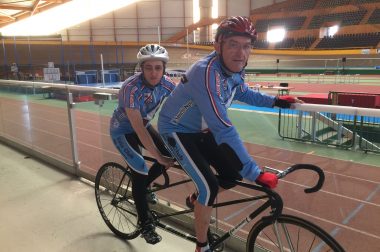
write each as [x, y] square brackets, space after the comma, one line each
[313, 126]
[355, 143]
[339, 132]
[73, 135]
[300, 126]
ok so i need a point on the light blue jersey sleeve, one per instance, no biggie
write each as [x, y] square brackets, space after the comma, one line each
[252, 97]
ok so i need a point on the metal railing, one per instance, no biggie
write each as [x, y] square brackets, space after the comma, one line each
[347, 127]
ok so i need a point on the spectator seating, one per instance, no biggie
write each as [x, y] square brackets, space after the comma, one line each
[205, 43]
[375, 17]
[362, 40]
[320, 13]
[291, 23]
[304, 42]
[261, 44]
[332, 3]
[366, 1]
[345, 18]
[301, 5]
[285, 44]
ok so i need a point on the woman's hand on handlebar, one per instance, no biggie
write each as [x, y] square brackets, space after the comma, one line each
[267, 179]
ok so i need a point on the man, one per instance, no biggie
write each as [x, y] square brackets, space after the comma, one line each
[139, 98]
[15, 72]
[195, 126]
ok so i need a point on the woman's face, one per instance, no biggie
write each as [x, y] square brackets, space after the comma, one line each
[153, 71]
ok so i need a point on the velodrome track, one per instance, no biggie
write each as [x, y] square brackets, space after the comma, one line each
[326, 88]
[301, 85]
[347, 207]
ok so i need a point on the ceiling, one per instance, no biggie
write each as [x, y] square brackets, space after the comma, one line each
[14, 10]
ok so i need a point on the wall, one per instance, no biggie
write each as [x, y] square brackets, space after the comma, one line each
[228, 7]
[136, 22]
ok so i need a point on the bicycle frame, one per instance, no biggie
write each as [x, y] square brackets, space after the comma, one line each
[274, 221]
[273, 201]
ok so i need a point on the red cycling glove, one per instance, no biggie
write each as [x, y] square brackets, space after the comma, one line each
[284, 101]
[267, 179]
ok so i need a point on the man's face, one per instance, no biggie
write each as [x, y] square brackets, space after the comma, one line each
[235, 52]
[153, 71]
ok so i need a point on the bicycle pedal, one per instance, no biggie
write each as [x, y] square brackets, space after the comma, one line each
[147, 231]
[152, 237]
[212, 239]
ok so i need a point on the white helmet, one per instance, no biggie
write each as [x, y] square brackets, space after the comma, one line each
[151, 52]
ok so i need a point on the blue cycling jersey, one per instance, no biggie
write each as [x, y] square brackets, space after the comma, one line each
[135, 95]
[201, 101]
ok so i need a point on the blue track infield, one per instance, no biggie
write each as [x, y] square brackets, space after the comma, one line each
[249, 107]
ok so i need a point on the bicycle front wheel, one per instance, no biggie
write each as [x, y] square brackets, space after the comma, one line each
[113, 187]
[289, 233]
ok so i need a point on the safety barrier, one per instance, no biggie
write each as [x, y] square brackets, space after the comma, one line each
[346, 127]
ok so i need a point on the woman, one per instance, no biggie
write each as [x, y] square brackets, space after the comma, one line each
[139, 98]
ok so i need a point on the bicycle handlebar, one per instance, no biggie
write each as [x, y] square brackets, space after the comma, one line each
[318, 170]
[280, 174]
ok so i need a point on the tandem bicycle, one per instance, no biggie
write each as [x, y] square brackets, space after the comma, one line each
[271, 232]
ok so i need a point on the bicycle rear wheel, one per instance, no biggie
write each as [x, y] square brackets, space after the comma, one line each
[294, 234]
[113, 186]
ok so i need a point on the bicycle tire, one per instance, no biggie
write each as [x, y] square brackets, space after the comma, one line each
[303, 236]
[113, 187]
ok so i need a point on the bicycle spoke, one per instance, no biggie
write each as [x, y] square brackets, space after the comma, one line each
[298, 238]
[288, 237]
[128, 220]
[112, 187]
[277, 234]
[269, 238]
[311, 245]
[293, 235]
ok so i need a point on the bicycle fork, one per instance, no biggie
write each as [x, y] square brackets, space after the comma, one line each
[239, 226]
[278, 236]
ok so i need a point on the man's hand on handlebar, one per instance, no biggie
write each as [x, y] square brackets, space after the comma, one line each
[267, 179]
[270, 179]
[286, 101]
